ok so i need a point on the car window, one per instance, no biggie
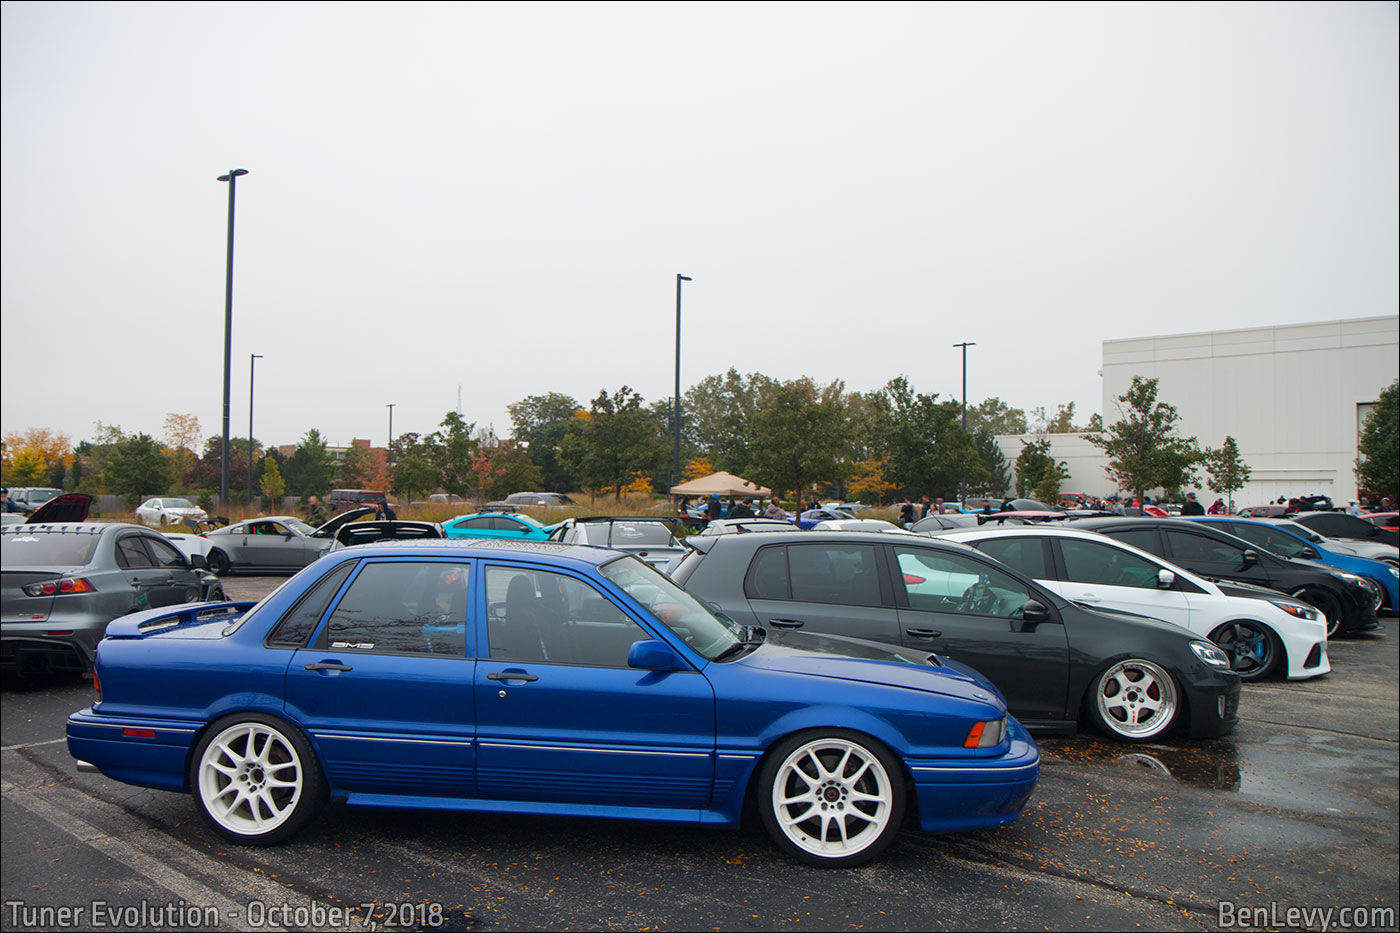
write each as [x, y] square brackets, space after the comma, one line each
[1024, 554]
[403, 607]
[938, 581]
[1106, 565]
[637, 534]
[1186, 546]
[131, 554]
[1144, 539]
[768, 575]
[296, 626]
[507, 524]
[844, 574]
[165, 553]
[1270, 539]
[538, 615]
[25, 548]
[481, 523]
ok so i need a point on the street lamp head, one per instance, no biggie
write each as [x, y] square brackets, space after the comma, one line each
[684, 278]
[256, 356]
[233, 174]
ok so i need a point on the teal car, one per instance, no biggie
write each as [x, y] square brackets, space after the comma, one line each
[496, 525]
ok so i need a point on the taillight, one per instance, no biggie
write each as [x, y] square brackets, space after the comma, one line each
[97, 684]
[910, 578]
[65, 585]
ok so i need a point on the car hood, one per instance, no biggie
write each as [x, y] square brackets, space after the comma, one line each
[1372, 550]
[855, 659]
[69, 507]
[1247, 590]
[328, 530]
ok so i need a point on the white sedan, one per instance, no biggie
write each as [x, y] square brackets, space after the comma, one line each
[1261, 630]
[165, 511]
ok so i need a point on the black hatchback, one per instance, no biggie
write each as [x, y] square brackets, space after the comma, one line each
[1344, 598]
[1057, 663]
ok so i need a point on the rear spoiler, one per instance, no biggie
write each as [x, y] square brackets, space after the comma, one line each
[153, 621]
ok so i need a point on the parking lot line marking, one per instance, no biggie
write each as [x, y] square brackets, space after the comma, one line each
[10, 748]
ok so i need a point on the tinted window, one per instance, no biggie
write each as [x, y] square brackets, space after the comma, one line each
[1090, 562]
[937, 581]
[1186, 546]
[846, 574]
[1144, 539]
[627, 534]
[29, 549]
[131, 554]
[1270, 539]
[537, 615]
[165, 553]
[402, 608]
[1024, 554]
[768, 574]
[296, 626]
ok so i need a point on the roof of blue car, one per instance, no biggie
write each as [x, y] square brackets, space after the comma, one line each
[488, 547]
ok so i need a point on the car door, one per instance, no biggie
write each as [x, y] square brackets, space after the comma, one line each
[182, 583]
[562, 718]
[384, 689]
[1101, 574]
[150, 585]
[1213, 557]
[825, 587]
[970, 610]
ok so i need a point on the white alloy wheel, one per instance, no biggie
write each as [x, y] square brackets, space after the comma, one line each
[835, 799]
[256, 780]
[1135, 700]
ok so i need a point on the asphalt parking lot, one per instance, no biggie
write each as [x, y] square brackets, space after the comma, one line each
[1296, 811]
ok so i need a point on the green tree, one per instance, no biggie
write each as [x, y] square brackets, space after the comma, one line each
[617, 439]
[1226, 470]
[413, 471]
[717, 417]
[540, 422]
[1143, 449]
[925, 449]
[139, 466]
[311, 469]
[1038, 473]
[1376, 461]
[995, 477]
[450, 450]
[356, 467]
[996, 417]
[272, 484]
[797, 436]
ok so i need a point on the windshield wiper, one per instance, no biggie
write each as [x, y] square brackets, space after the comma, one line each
[750, 636]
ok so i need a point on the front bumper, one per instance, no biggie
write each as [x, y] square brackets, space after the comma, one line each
[1212, 703]
[976, 793]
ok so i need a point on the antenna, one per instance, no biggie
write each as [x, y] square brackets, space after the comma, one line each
[459, 398]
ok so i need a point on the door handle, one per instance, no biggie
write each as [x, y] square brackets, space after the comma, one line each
[922, 632]
[786, 623]
[1089, 598]
[329, 666]
[510, 675]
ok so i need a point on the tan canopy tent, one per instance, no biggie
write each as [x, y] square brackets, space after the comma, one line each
[724, 484]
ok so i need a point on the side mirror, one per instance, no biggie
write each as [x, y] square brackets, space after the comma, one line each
[652, 655]
[197, 562]
[1309, 554]
[1032, 613]
[1250, 558]
[1165, 579]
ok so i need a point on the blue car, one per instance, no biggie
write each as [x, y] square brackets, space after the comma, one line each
[497, 525]
[1287, 539]
[808, 519]
[541, 678]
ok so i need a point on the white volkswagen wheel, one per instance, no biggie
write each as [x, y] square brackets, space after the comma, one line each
[1135, 700]
[835, 799]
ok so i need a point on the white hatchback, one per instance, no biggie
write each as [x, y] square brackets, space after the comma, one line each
[1261, 630]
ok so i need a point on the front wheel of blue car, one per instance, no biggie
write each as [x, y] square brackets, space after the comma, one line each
[833, 798]
[255, 779]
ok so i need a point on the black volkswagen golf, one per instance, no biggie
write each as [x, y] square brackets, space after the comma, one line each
[1057, 663]
[1344, 598]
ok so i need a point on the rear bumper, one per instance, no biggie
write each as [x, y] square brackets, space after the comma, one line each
[34, 655]
[146, 752]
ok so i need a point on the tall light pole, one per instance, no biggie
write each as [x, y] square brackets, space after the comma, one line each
[232, 179]
[390, 406]
[962, 488]
[251, 358]
[676, 410]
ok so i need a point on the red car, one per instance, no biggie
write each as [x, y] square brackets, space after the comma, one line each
[1386, 520]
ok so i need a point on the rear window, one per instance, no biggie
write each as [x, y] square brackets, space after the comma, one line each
[26, 548]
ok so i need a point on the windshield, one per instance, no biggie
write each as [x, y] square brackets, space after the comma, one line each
[299, 526]
[1303, 531]
[707, 632]
[39, 496]
[178, 504]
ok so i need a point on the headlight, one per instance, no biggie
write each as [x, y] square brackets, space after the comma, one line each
[1211, 654]
[1394, 570]
[987, 734]
[1351, 578]
[1299, 610]
[1373, 589]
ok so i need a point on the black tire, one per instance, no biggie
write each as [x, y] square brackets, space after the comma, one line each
[800, 797]
[219, 563]
[1254, 649]
[1325, 603]
[1134, 700]
[266, 773]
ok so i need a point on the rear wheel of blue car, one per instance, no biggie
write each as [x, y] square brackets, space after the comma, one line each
[255, 779]
[831, 797]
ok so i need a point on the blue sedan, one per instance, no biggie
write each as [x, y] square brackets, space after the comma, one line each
[547, 679]
[497, 525]
[1288, 539]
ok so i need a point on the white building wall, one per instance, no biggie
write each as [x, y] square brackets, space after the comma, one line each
[1288, 395]
[1084, 461]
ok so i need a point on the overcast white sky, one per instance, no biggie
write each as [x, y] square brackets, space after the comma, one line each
[499, 196]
